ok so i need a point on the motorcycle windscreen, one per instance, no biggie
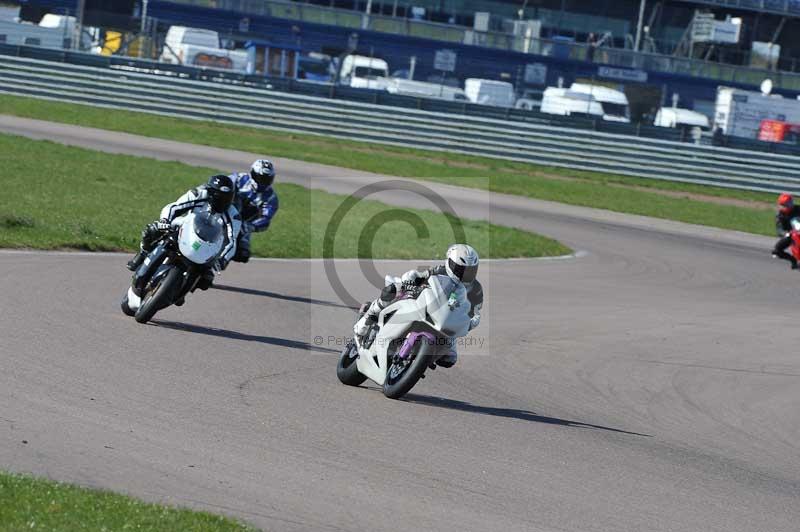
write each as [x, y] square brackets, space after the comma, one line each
[209, 227]
[202, 237]
[448, 306]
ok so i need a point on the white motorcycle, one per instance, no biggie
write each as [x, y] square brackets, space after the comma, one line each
[411, 334]
[177, 263]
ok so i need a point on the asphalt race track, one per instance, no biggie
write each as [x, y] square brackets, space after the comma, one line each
[650, 384]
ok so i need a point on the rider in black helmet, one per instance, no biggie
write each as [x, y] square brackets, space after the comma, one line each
[217, 195]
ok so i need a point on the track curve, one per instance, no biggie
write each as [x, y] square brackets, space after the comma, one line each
[649, 385]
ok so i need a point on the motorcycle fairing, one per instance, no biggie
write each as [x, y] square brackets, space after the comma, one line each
[430, 312]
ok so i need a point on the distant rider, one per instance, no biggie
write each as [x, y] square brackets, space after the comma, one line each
[787, 210]
[257, 201]
[461, 265]
[217, 195]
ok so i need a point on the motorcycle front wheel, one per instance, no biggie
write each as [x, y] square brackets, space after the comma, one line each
[402, 375]
[126, 309]
[347, 369]
[160, 296]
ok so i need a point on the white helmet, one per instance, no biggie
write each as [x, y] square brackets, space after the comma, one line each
[462, 263]
[263, 172]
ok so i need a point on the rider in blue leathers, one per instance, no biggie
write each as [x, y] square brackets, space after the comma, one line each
[256, 201]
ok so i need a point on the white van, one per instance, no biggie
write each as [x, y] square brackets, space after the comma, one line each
[614, 102]
[675, 117]
[198, 47]
[362, 72]
[566, 102]
[53, 31]
[424, 89]
[490, 92]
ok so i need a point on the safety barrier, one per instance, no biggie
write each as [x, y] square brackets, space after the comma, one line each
[511, 140]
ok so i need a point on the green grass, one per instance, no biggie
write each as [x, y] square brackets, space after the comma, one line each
[694, 204]
[56, 196]
[28, 503]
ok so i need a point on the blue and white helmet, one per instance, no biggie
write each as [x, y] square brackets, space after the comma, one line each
[263, 172]
[462, 263]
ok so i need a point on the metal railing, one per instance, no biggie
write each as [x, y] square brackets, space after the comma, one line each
[515, 141]
[617, 57]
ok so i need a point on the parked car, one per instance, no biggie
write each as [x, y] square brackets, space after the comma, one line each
[198, 47]
[315, 67]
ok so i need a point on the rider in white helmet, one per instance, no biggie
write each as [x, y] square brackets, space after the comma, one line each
[257, 201]
[461, 265]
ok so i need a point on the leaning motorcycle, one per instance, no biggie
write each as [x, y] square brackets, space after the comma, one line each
[794, 249]
[411, 334]
[176, 264]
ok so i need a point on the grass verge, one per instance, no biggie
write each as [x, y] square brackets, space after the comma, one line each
[706, 205]
[28, 503]
[56, 196]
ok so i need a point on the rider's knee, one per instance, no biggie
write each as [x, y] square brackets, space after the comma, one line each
[242, 254]
[388, 293]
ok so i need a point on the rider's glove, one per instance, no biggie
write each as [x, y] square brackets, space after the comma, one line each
[413, 277]
[247, 227]
[476, 316]
[160, 226]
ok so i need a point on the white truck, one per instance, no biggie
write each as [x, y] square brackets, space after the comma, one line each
[424, 89]
[490, 92]
[565, 102]
[53, 31]
[739, 112]
[362, 72]
[615, 103]
[676, 117]
[198, 47]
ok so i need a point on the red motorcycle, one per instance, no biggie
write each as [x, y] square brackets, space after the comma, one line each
[794, 249]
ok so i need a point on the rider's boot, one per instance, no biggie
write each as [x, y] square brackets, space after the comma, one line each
[449, 360]
[369, 319]
[206, 280]
[136, 261]
[780, 254]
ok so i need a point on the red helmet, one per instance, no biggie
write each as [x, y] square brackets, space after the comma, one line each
[785, 203]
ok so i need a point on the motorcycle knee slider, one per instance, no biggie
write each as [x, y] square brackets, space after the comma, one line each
[388, 294]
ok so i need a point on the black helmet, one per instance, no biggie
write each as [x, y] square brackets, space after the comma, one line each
[263, 172]
[220, 192]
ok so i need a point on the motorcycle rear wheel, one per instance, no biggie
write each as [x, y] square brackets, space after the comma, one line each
[160, 297]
